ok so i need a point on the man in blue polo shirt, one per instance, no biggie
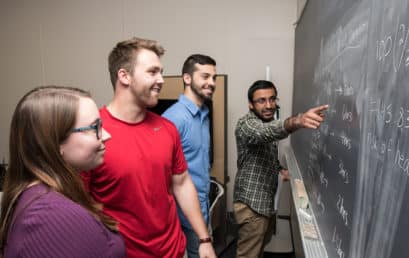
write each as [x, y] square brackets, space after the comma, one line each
[191, 117]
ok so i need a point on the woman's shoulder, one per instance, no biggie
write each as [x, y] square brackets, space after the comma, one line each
[41, 204]
[45, 216]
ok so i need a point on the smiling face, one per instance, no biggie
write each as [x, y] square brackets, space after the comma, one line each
[146, 80]
[264, 104]
[83, 150]
[202, 83]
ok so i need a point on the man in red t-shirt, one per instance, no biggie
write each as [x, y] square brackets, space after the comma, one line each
[144, 172]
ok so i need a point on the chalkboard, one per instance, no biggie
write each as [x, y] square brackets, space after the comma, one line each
[354, 56]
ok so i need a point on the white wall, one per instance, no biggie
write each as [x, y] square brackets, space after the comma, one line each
[67, 43]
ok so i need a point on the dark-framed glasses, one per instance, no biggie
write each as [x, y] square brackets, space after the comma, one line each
[97, 127]
[263, 101]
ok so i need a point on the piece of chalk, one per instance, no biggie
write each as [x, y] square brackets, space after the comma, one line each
[309, 231]
[305, 214]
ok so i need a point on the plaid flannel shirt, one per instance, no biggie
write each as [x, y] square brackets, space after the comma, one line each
[257, 162]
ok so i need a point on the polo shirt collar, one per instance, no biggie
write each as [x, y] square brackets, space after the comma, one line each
[192, 107]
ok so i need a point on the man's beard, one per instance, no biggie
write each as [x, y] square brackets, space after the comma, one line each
[196, 91]
[261, 117]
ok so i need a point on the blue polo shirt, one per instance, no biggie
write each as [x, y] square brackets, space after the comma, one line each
[192, 123]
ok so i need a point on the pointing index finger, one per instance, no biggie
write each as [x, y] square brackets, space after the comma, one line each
[319, 109]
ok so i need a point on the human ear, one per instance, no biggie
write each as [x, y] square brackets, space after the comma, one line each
[187, 79]
[123, 76]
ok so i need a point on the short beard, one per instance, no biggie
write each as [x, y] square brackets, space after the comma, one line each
[262, 118]
[197, 92]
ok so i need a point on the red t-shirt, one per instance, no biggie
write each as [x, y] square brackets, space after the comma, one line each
[135, 184]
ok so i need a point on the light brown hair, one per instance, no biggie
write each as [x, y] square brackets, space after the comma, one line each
[124, 55]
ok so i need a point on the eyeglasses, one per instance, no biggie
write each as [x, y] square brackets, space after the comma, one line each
[97, 127]
[263, 101]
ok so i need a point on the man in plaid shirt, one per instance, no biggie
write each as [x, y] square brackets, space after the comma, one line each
[255, 185]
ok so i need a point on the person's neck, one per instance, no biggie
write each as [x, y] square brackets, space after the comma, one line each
[126, 110]
[194, 98]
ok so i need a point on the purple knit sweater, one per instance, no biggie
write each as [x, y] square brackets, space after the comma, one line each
[47, 224]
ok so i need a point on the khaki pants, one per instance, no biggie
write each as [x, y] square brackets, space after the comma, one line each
[255, 231]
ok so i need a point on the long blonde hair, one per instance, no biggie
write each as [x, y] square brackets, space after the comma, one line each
[42, 120]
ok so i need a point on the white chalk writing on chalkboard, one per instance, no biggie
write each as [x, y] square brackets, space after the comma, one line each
[384, 113]
[346, 114]
[323, 179]
[341, 209]
[345, 140]
[337, 241]
[394, 46]
[343, 173]
[402, 161]
[337, 78]
[358, 175]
